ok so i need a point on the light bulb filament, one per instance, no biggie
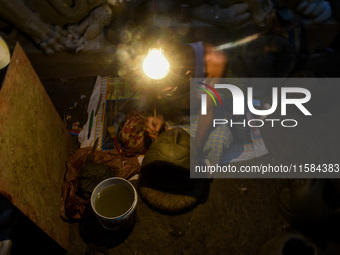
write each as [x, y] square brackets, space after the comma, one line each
[155, 65]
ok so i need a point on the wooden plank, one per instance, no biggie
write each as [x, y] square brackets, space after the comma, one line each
[34, 146]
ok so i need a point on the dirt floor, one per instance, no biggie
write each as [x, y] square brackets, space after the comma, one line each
[235, 216]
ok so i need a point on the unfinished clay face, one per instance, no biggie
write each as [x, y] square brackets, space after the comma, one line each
[55, 25]
[231, 14]
[259, 9]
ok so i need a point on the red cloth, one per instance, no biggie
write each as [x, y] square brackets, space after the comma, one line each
[75, 207]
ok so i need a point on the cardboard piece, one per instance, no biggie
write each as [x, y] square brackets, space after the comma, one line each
[34, 147]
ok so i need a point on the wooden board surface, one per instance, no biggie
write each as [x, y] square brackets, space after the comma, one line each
[34, 146]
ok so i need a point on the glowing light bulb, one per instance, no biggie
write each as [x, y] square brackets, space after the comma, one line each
[155, 65]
